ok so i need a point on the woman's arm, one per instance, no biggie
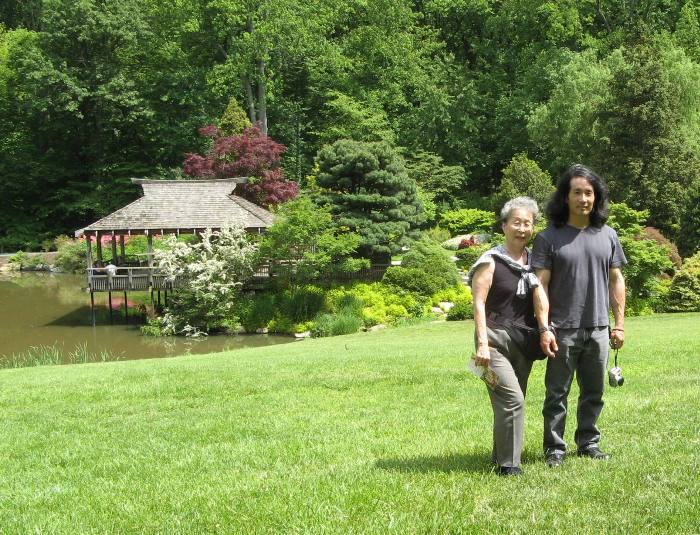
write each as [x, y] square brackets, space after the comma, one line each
[548, 342]
[481, 284]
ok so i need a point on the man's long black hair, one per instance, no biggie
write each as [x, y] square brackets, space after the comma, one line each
[558, 207]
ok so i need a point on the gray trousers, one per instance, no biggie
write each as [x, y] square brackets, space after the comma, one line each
[583, 352]
[508, 399]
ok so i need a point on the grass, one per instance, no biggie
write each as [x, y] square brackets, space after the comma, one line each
[379, 432]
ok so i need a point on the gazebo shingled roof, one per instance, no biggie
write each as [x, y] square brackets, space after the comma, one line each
[182, 205]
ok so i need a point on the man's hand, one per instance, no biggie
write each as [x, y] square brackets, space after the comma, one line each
[483, 356]
[617, 338]
[548, 343]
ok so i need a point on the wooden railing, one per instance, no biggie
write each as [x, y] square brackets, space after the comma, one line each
[129, 279]
[144, 278]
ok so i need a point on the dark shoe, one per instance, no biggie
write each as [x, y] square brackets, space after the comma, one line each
[593, 453]
[509, 471]
[553, 459]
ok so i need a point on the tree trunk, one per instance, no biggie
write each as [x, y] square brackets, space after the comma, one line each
[250, 100]
[262, 94]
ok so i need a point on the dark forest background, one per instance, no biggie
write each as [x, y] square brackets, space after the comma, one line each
[94, 92]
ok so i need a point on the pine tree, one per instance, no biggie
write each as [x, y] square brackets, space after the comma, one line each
[370, 193]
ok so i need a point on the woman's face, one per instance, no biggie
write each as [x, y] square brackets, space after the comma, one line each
[518, 228]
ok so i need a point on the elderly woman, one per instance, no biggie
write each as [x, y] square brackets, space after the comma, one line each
[509, 305]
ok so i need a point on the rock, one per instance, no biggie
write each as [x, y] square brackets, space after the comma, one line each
[453, 243]
[437, 310]
[305, 334]
[377, 327]
[261, 330]
[445, 305]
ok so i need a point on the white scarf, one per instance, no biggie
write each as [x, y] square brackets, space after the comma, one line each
[528, 279]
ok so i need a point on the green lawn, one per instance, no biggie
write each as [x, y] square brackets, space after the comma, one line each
[382, 432]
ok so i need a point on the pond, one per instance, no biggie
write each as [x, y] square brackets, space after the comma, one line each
[45, 309]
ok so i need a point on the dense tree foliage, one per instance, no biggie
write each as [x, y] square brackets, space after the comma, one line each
[93, 93]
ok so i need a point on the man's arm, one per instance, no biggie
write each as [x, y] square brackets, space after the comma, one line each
[548, 341]
[616, 287]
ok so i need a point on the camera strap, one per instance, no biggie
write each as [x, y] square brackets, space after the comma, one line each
[616, 357]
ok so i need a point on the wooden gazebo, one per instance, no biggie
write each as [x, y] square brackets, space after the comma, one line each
[166, 207]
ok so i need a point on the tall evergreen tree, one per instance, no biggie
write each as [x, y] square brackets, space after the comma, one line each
[369, 192]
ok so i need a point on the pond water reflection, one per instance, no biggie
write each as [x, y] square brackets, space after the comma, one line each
[43, 309]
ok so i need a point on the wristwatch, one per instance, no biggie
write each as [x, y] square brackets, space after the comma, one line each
[546, 328]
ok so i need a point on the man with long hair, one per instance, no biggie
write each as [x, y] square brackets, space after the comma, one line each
[578, 259]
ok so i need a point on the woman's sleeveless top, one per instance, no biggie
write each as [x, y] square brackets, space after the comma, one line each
[502, 303]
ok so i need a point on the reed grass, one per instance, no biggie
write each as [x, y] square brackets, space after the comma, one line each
[55, 354]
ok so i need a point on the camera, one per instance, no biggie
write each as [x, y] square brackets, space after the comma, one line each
[615, 378]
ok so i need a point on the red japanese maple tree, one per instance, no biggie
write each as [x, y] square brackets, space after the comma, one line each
[251, 154]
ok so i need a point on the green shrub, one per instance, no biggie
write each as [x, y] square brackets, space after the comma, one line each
[427, 269]
[281, 325]
[467, 221]
[461, 311]
[451, 295]
[335, 325]
[19, 258]
[646, 262]
[413, 280]
[437, 234]
[395, 312]
[466, 257]
[256, 312]
[35, 262]
[303, 303]
[684, 291]
[659, 301]
[71, 255]
[350, 304]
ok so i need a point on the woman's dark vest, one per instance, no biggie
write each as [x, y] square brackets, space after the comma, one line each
[502, 303]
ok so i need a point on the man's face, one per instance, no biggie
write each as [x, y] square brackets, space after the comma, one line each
[581, 197]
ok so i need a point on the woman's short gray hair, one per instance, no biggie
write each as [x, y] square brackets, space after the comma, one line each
[522, 203]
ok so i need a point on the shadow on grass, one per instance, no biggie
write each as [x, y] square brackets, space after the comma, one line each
[454, 462]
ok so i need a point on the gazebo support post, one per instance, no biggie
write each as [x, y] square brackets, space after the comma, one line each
[149, 252]
[111, 319]
[88, 252]
[123, 250]
[126, 309]
[88, 260]
[92, 306]
[115, 260]
[101, 262]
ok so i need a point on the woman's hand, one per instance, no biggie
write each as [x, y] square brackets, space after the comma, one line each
[483, 356]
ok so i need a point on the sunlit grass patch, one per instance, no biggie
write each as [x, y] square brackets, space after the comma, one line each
[382, 432]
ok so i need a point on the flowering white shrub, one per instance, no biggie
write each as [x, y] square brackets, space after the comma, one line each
[210, 273]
